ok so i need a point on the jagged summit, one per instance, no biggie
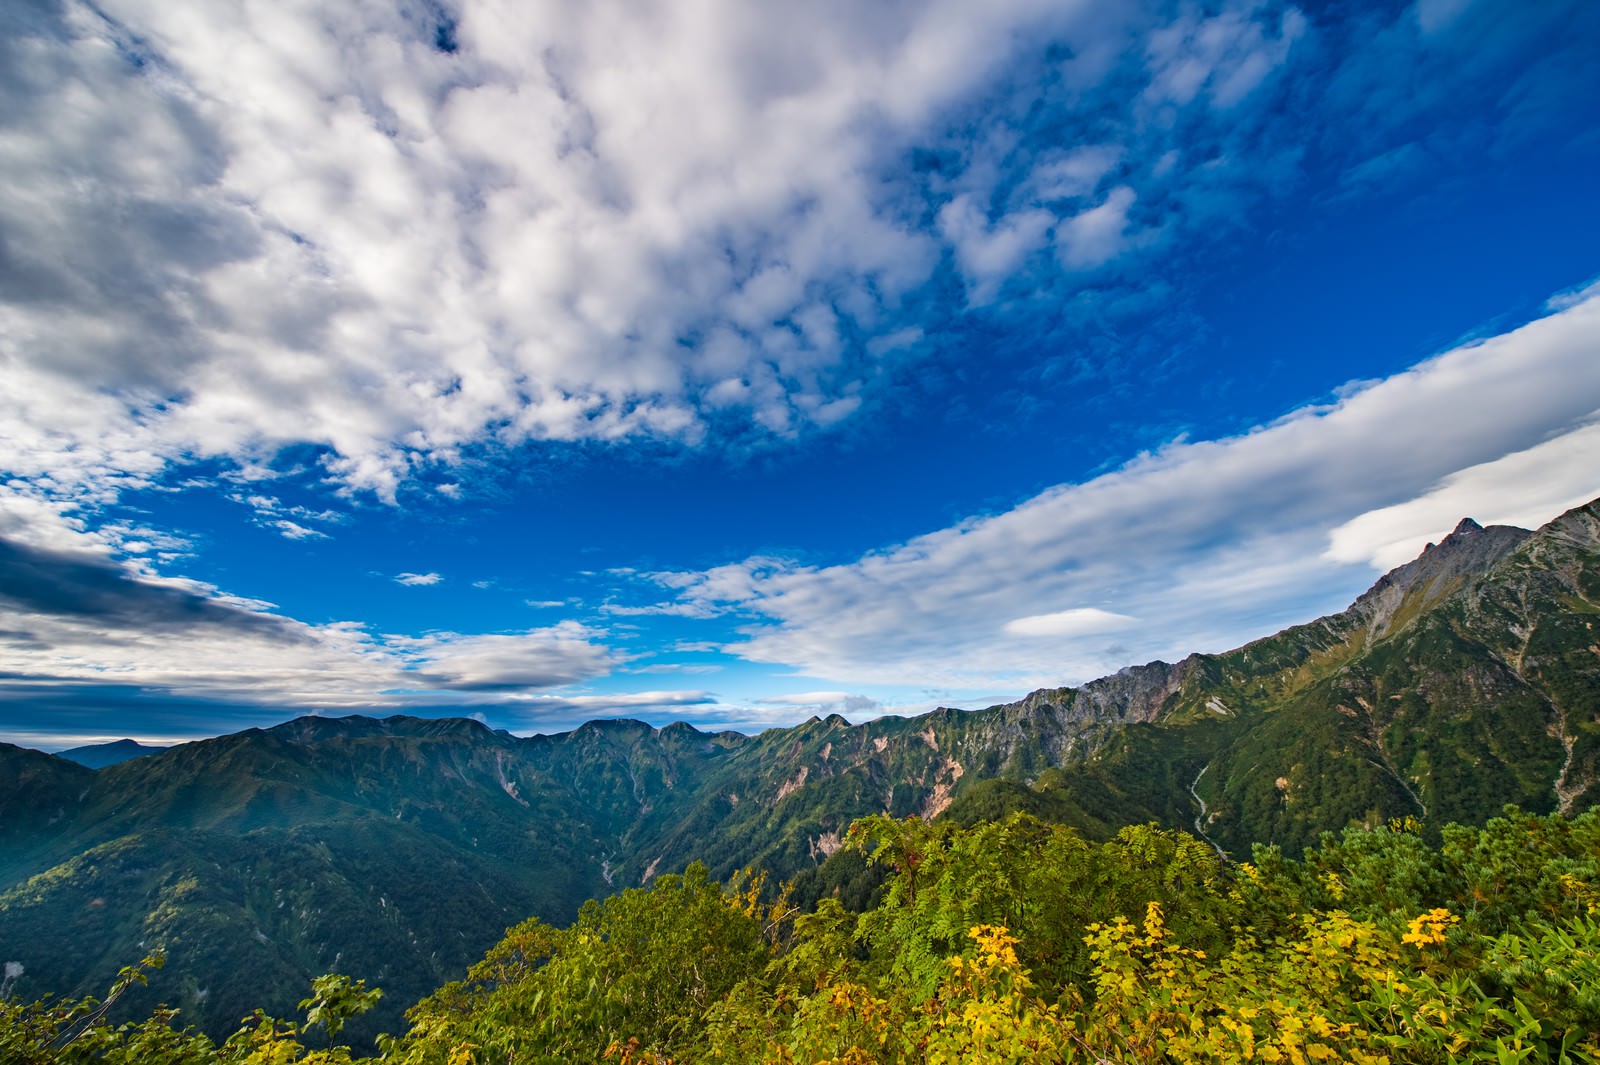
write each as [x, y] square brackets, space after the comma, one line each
[1470, 551]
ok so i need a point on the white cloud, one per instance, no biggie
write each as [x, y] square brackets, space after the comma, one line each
[234, 227]
[663, 610]
[485, 662]
[675, 667]
[1525, 488]
[990, 252]
[785, 711]
[557, 712]
[620, 700]
[855, 707]
[1081, 621]
[1436, 15]
[295, 531]
[417, 580]
[1209, 543]
[807, 698]
[92, 623]
[1097, 235]
[1225, 56]
[1074, 173]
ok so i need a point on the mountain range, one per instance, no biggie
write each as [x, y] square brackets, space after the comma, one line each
[398, 849]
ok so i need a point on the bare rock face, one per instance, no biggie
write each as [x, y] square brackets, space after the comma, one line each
[1579, 528]
[1469, 551]
[1135, 693]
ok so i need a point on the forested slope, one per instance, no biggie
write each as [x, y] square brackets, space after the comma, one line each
[1012, 941]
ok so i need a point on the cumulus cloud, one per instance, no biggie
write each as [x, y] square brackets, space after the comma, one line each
[989, 253]
[417, 580]
[1209, 543]
[292, 530]
[354, 244]
[403, 237]
[233, 227]
[1096, 236]
[1222, 58]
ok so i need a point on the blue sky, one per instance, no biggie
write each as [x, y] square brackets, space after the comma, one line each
[736, 362]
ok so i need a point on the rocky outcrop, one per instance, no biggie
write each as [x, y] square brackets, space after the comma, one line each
[1470, 551]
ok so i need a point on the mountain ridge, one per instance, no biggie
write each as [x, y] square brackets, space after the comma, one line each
[1463, 680]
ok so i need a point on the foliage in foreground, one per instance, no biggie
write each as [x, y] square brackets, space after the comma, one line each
[77, 1033]
[1014, 941]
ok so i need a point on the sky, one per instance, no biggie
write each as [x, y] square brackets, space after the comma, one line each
[732, 362]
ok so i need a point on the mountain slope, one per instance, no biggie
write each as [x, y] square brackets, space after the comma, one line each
[36, 792]
[397, 849]
[1461, 682]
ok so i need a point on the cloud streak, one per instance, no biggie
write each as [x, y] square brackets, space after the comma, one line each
[1207, 543]
[76, 620]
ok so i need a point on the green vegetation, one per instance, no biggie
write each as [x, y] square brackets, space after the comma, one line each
[1462, 681]
[1009, 941]
[78, 1033]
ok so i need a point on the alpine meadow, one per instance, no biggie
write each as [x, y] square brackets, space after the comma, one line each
[672, 532]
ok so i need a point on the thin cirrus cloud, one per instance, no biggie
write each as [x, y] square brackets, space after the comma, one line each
[1201, 545]
[551, 712]
[418, 580]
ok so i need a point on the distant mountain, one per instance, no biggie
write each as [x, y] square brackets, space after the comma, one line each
[397, 849]
[100, 755]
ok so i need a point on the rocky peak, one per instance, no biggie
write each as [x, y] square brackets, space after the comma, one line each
[1578, 527]
[1471, 550]
[1133, 693]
